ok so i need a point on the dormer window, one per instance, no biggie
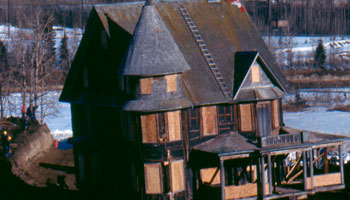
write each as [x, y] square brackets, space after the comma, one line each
[171, 83]
[255, 73]
[146, 85]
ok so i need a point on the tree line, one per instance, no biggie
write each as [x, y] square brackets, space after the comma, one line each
[30, 65]
[300, 17]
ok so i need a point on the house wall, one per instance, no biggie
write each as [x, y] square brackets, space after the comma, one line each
[169, 136]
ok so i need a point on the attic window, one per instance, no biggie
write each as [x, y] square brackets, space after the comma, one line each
[146, 85]
[171, 83]
[255, 74]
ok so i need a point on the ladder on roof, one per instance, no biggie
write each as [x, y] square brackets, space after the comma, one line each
[204, 50]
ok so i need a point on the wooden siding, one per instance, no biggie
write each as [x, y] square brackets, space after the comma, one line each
[246, 118]
[177, 176]
[153, 180]
[324, 180]
[174, 125]
[149, 130]
[255, 74]
[171, 83]
[209, 120]
[242, 191]
[207, 175]
[146, 85]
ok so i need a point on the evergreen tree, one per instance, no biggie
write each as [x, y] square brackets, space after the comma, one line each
[320, 55]
[64, 55]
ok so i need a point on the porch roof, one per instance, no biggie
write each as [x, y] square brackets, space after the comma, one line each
[234, 145]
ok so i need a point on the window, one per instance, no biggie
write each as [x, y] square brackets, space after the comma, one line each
[153, 178]
[149, 131]
[225, 116]
[275, 114]
[146, 85]
[177, 176]
[264, 119]
[246, 118]
[208, 116]
[161, 127]
[255, 74]
[174, 126]
[193, 120]
[171, 83]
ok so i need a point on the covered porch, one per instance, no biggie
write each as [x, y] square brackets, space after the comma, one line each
[232, 167]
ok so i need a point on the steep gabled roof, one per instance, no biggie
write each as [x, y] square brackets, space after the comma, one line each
[269, 88]
[153, 50]
[225, 29]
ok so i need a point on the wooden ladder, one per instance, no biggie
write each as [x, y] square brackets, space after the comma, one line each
[204, 50]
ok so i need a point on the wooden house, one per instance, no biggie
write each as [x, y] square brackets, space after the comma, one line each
[182, 100]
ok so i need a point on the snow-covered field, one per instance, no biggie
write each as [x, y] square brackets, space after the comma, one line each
[302, 47]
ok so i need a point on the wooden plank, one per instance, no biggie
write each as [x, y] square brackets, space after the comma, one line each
[325, 180]
[245, 111]
[174, 125]
[177, 176]
[149, 128]
[153, 181]
[171, 83]
[255, 74]
[275, 114]
[210, 175]
[146, 85]
[209, 120]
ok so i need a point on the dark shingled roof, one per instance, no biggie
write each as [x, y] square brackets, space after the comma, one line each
[153, 50]
[224, 28]
[227, 143]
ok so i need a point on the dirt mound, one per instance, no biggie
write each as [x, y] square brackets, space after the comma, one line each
[38, 163]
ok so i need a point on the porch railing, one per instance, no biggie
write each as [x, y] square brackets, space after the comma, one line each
[278, 140]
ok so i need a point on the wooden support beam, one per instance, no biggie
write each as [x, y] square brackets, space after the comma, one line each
[212, 178]
[318, 158]
[341, 164]
[271, 181]
[262, 174]
[311, 169]
[326, 161]
[222, 179]
[295, 176]
[294, 168]
[305, 170]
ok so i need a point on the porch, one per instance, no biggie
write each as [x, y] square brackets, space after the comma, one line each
[238, 169]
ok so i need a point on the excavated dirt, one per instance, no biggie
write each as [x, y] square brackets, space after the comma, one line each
[36, 170]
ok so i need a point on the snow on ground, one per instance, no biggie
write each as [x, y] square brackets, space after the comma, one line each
[320, 120]
[303, 47]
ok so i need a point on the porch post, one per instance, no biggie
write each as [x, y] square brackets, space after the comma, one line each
[311, 169]
[222, 179]
[262, 174]
[305, 170]
[341, 164]
[270, 174]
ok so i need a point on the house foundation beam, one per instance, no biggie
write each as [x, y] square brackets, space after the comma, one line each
[271, 181]
[222, 179]
[305, 170]
[262, 175]
[311, 169]
[341, 164]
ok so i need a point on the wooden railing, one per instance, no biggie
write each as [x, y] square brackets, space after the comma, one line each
[278, 140]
